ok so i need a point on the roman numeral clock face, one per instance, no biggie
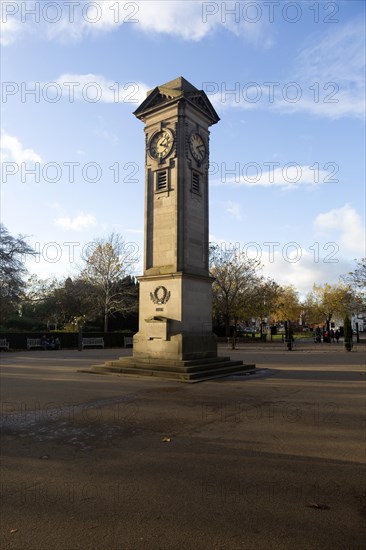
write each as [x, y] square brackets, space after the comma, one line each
[161, 144]
[197, 147]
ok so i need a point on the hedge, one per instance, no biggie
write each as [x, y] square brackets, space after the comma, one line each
[69, 340]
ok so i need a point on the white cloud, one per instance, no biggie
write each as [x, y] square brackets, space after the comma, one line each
[327, 81]
[303, 267]
[229, 96]
[96, 88]
[286, 177]
[80, 222]
[11, 30]
[12, 150]
[182, 19]
[345, 226]
[189, 20]
[233, 208]
[337, 62]
[98, 17]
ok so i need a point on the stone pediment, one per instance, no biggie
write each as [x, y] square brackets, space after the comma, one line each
[176, 90]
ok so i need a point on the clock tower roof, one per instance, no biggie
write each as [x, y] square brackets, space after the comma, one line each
[173, 91]
[179, 84]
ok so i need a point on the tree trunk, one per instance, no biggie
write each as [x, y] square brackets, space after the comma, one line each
[227, 325]
[105, 321]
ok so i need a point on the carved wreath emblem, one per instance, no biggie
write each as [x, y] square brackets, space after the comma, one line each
[160, 295]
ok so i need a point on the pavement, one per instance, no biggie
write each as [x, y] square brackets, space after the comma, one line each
[274, 460]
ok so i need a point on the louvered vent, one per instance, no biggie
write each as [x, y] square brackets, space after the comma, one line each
[195, 182]
[162, 180]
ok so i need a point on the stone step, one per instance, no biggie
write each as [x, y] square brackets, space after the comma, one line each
[168, 362]
[229, 368]
[172, 367]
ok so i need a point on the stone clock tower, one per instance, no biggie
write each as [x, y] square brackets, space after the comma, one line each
[175, 291]
[175, 337]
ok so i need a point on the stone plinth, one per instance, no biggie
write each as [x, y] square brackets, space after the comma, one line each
[175, 318]
[183, 371]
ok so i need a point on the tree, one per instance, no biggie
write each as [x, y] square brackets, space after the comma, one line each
[326, 301]
[107, 270]
[357, 281]
[357, 278]
[347, 332]
[287, 306]
[39, 302]
[13, 252]
[235, 276]
[263, 299]
[54, 302]
[73, 300]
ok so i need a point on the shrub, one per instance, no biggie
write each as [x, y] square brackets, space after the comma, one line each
[347, 330]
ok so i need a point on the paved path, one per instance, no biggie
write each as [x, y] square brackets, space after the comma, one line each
[264, 462]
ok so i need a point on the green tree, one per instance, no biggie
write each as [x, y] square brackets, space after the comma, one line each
[106, 272]
[13, 253]
[53, 302]
[235, 276]
[287, 306]
[73, 299]
[39, 302]
[263, 299]
[327, 301]
[347, 332]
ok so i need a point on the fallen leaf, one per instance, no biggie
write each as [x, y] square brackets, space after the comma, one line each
[13, 531]
[318, 506]
[44, 457]
[166, 439]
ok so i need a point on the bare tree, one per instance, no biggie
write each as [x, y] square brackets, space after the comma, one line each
[357, 278]
[107, 269]
[235, 277]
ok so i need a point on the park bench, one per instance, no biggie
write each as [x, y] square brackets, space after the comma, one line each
[128, 341]
[92, 342]
[4, 344]
[34, 343]
[37, 343]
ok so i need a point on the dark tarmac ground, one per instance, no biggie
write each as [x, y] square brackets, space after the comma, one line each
[268, 461]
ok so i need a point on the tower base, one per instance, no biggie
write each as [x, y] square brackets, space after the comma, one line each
[174, 347]
[195, 370]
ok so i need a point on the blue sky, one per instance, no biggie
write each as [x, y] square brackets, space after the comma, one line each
[287, 157]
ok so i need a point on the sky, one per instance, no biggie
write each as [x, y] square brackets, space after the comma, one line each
[287, 158]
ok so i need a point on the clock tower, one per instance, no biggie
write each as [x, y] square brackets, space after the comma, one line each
[175, 318]
[175, 337]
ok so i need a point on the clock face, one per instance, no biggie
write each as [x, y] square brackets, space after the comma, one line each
[161, 144]
[197, 147]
